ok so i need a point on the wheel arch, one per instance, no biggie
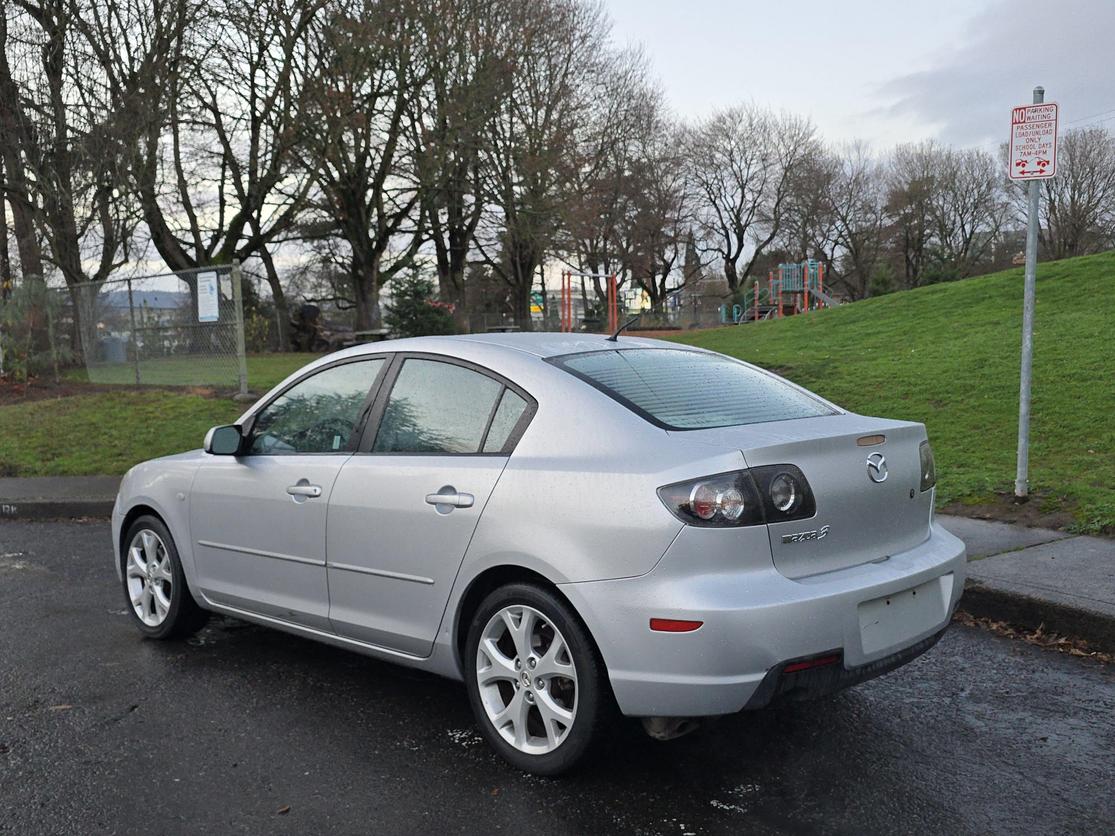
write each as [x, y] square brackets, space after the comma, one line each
[134, 513]
[483, 584]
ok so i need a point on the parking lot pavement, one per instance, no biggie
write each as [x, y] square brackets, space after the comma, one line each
[245, 730]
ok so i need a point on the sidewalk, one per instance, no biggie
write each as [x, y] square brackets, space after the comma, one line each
[1028, 577]
[57, 497]
[1033, 577]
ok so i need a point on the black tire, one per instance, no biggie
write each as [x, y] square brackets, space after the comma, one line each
[184, 617]
[595, 706]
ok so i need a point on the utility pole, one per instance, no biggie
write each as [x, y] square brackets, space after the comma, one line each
[1022, 471]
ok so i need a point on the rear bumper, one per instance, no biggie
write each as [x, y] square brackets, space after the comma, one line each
[756, 619]
[782, 683]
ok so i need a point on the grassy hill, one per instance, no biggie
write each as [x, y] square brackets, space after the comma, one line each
[948, 355]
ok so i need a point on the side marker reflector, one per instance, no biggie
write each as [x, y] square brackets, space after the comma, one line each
[806, 664]
[672, 625]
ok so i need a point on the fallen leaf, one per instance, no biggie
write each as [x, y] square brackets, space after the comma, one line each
[282, 811]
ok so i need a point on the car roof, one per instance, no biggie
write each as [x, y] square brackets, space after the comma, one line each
[551, 344]
[538, 343]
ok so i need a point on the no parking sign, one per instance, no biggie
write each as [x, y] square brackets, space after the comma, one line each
[1033, 142]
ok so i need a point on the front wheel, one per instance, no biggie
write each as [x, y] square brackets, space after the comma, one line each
[154, 584]
[535, 680]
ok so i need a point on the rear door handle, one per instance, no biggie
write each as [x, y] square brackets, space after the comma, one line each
[304, 490]
[450, 498]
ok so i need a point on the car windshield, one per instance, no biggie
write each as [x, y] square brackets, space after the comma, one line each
[690, 390]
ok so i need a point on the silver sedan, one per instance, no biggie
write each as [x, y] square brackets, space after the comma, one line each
[577, 527]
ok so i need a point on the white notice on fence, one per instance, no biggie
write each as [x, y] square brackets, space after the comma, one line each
[208, 299]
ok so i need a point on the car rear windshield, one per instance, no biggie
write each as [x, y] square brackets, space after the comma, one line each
[690, 390]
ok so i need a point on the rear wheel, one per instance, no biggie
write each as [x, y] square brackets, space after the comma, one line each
[154, 585]
[535, 680]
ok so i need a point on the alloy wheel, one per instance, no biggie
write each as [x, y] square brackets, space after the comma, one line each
[527, 679]
[149, 577]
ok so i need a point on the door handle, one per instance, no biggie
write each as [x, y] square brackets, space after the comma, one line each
[304, 490]
[450, 498]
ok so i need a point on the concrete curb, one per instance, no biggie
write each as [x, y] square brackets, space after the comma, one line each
[55, 509]
[1029, 613]
[57, 497]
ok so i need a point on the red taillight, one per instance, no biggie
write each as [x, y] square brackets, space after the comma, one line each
[806, 664]
[673, 625]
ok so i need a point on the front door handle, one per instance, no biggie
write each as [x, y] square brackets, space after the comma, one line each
[302, 489]
[448, 498]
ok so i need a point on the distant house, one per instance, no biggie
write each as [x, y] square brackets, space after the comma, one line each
[152, 308]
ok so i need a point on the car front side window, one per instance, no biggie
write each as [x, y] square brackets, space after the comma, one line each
[318, 414]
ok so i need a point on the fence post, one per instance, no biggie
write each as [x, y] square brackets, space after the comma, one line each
[135, 338]
[238, 306]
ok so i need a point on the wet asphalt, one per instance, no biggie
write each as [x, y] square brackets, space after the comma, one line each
[247, 730]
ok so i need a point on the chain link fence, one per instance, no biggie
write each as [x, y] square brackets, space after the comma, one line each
[171, 329]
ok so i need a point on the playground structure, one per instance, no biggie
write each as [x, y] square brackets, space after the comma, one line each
[798, 288]
[568, 310]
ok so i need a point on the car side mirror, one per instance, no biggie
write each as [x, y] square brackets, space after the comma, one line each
[224, 441]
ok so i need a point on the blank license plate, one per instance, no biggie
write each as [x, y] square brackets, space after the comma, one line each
[893, 619]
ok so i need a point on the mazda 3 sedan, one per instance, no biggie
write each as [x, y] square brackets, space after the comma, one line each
[577, 527]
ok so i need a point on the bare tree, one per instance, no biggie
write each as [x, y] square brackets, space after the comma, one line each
[602, 180]
[910, 184]
[741, 164]
[856, 199]
[16, 141]
[468, 59]
[69, 98]
[364, 106]
[837, 213]
[216, 169]
[559, 47]
[1078, 208]
[967, 210]
[655, 231]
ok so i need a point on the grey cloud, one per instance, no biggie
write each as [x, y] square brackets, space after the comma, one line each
[1065, 46]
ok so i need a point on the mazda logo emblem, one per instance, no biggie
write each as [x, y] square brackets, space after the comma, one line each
[877, 467]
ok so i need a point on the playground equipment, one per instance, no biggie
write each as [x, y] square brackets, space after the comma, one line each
[568, 320]
[798, 288]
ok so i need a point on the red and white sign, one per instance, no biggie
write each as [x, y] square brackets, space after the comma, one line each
[1033, 142]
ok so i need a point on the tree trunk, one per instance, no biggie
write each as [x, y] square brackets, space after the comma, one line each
[522, 263]
[5, 255]
[278, 296]
[730, 274]
[364, 275]
[451, 264]
[520, 306]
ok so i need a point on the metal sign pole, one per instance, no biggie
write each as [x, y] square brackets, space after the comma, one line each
[1022, 473]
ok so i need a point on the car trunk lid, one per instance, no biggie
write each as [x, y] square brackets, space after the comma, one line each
[859, 519]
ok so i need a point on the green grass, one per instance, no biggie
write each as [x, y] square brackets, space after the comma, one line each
[104, 432]
[264, 371]
[948, 355]
[109, 431]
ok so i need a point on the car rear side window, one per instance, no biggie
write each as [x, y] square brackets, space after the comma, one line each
[689, 390]
[437, 407]
[510, 410]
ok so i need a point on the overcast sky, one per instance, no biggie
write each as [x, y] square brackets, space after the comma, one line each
[884, 71]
